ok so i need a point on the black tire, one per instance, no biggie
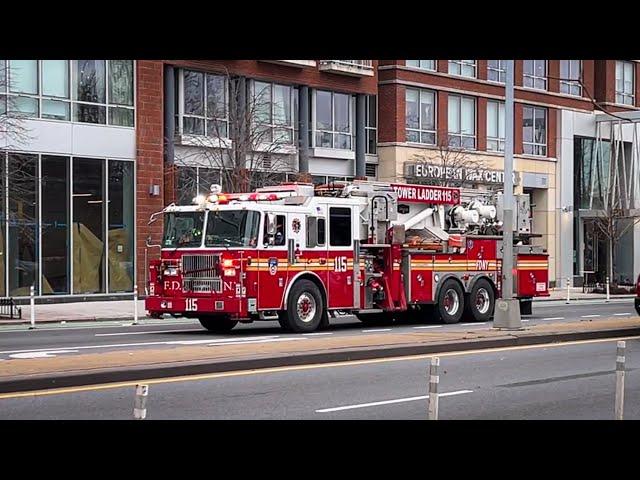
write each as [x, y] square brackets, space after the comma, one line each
[218, 323]
[481, 301]
[306, 295]
[375, 319]
[450, 306]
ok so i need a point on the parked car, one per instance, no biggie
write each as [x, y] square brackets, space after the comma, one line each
[637, 299]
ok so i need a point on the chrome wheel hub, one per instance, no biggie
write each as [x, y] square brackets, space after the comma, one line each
[482, 301]
[306, 307]
[451, 302]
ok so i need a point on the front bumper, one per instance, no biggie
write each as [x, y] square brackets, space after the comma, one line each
[637, 304]
[196, 306]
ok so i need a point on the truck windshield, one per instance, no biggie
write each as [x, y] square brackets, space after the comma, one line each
[232, 228]
[183, 229]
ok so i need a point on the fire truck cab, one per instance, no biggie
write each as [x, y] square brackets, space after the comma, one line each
[297, 253]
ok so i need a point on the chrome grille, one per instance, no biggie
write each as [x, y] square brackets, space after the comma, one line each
[197, 285]
[199, 273]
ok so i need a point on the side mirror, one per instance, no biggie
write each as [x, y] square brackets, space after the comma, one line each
[271, 224]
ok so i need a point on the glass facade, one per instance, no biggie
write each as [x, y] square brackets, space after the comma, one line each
[67, 225]
[87, 91]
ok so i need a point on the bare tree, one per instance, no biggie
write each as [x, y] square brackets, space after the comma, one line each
[249, 139]
[451, 162]
[13, 132]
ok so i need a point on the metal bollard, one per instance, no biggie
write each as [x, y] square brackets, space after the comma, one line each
[568, 289]
[608, 298]
[434, 380]
[140, 404]
[135, 304]
[620, 380]
[32, 302]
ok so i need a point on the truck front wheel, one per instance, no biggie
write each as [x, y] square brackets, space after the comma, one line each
[305, 309]
[218, 323]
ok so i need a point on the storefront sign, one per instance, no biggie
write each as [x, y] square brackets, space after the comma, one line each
[427, 194]
[462, 174]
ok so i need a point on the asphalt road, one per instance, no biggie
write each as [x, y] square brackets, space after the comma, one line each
[17, 341]
[561, 381]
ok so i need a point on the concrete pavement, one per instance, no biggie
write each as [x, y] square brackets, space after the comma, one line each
[126, 361]
[559, 381]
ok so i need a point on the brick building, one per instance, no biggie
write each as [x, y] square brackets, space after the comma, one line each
[113, 141]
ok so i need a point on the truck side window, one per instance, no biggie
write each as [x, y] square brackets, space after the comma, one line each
[340, 227]
[279, 238]
[322, 235]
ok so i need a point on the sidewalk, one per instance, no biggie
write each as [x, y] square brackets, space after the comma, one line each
[575, 293]
[123, 309]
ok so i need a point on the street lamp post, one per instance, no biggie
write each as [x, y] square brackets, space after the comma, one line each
[507, 311]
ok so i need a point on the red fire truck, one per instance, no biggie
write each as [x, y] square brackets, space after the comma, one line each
[298, 253]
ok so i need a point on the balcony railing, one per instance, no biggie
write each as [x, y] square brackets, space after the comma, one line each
[348, 67]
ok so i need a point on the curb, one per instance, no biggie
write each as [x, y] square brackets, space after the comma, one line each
[157, 371]
[71, 320]
[613, 297]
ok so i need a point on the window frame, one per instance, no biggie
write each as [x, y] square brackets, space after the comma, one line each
[461, 135]
[534, 144]
[205, 118]
[293, 114]
[501, 69]
[631, 96]
[499, 140]
[566, 86]
[532, 77]
[420, 130]
[460, 64]
[373, 131]
[420, 67]
[334, 133]
[70, 100]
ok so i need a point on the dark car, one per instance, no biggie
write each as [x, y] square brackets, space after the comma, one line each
[637, 299]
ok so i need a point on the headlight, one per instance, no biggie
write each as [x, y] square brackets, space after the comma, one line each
[171, 271]
[436, 277]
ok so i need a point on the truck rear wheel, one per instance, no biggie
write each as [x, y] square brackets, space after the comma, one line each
[218, 323]
[481, 301]
[450, 305]
[304, 308]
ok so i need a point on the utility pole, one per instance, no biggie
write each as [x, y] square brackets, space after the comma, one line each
[507, 312]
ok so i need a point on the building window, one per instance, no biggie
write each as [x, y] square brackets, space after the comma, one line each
[624, 83]
[422, 64]
[464, 68]
[535, 74]
[371, 125]
[274, 112]
[102, 91]
[420, 116]
[495, 126]
[333, 120]
[534, 130]
[204, 103]
[571, 76]
[121, 225]
[496, 70]
[462, 122]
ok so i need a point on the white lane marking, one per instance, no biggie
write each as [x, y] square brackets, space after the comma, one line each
[553, 318]
[119, 345]
[526, 320]
[103, 324]
[621, 314]
[48, 354]
[377, 330]
[431, 326]
[387, 402]
[149, 331]
[318, 333]
[267, 340]
[589, 316]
